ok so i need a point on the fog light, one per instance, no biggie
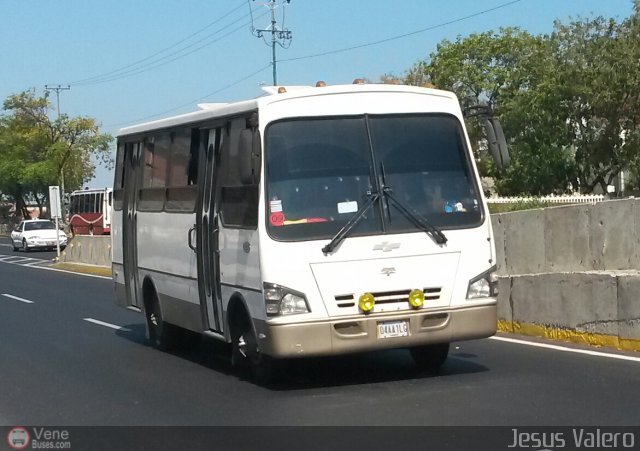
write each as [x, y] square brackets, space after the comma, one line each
[416, 298]
[366, 302]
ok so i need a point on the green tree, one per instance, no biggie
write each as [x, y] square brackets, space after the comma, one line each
[36, 152]
[569, 102]
[502, 70]
[597, 66]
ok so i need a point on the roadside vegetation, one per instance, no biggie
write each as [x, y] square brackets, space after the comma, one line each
[569, 102]
[37, 151]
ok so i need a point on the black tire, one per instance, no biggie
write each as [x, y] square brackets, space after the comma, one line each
[245, 353]
[15, 249]
[162, 335]
[430, 357]
[25, 248]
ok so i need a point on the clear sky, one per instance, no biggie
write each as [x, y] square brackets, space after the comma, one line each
[133, 61]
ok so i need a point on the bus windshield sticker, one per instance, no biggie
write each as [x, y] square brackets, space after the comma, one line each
[347, 207]
[277, 219]
[275, 205]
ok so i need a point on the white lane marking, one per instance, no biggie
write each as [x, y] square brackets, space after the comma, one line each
[20, 260]
[8, 258]
[565, 349]
[5, 245]
[35, 262]
[16, 298]
[102, 323]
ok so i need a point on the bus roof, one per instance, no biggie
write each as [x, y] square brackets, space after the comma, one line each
[214, 110]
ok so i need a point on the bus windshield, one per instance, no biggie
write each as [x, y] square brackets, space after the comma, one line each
[320, 171]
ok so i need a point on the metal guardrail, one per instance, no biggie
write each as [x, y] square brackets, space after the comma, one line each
[572, 199]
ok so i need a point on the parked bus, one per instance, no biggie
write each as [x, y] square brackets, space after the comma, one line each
[308, 222]
[90, 211]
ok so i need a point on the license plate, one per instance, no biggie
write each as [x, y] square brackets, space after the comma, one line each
[391, 329]
[51, 243]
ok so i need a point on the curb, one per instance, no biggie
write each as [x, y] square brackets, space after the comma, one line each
[94, 270]
[569, 335]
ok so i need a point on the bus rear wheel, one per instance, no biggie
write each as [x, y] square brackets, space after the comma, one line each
[430, 357]
[245, 352]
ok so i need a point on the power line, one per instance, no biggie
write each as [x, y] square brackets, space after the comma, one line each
[342, 50]
[167, 59]
[138, 65]
[393, 38]
[192, 102]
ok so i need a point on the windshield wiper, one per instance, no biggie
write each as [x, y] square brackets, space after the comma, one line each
[350, 225]
[418, 220]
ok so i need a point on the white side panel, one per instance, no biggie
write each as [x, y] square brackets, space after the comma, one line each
[240, 268]
[163, 247]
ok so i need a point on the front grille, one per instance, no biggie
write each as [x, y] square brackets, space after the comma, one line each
[388, 297]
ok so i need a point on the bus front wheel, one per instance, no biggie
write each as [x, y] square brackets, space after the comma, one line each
[245, 352]
[162, 335]
[430, 357]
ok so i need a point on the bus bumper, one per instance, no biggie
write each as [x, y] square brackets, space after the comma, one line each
[360, 333]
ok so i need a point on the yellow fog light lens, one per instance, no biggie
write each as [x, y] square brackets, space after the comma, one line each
[366, 302]
[416, 298]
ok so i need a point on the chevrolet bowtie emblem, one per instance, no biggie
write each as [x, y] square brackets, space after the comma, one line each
[386, 246]
[388, 271]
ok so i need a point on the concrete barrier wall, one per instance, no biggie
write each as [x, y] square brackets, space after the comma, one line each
[92, 250]
[601, 237]
[571, 272]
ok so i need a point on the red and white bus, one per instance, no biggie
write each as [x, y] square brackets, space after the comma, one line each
[90, 211]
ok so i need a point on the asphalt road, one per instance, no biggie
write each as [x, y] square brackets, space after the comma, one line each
[60, 367]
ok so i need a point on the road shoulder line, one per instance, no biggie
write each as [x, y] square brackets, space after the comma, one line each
[566, 349]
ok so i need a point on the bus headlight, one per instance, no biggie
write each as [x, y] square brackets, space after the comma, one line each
[284, 301]
[484, 286]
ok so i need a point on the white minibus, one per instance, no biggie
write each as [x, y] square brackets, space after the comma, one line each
[311, 221]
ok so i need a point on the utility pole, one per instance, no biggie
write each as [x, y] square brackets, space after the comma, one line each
[57, 89]
[279, 36]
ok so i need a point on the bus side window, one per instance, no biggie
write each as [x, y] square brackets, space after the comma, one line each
[179, 160]
[73, 208]
[119, 176]
[239, 196]
[181, 188]
[192, 170]
[152, 195]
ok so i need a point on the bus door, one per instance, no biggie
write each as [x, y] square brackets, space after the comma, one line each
[129, 222]
[207, 229]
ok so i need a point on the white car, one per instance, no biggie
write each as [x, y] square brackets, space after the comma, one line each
[36, 234]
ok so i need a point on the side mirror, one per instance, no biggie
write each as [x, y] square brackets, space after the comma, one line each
[494, 133]
[497, 143]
